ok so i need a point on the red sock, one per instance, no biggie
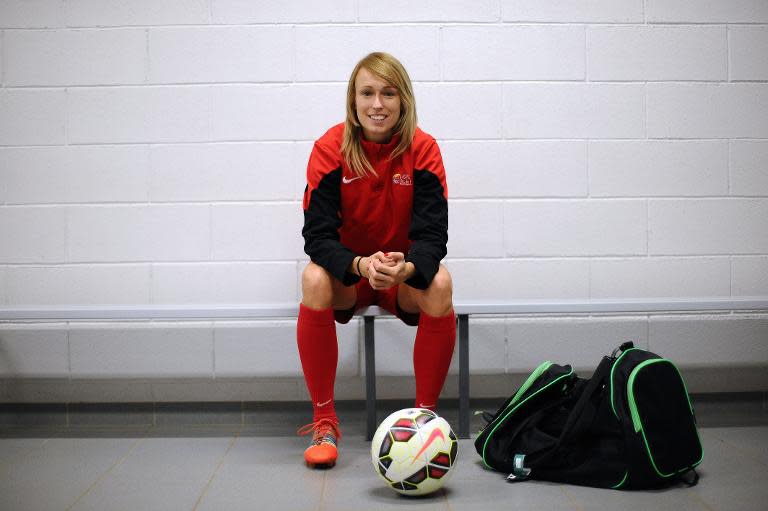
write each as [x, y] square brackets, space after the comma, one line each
[319, 354]
[432, 352]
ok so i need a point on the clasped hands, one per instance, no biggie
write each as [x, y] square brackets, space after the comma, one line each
[385, 270]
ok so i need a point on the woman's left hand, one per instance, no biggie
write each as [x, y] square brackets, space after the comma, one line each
[384, 275]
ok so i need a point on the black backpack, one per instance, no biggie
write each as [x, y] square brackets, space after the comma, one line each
[630, 426]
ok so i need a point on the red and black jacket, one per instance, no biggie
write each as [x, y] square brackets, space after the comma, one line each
[402, 209]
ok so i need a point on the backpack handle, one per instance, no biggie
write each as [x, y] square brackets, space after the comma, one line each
[624, 347]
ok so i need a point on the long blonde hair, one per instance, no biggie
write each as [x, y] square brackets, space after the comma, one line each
[387, 68]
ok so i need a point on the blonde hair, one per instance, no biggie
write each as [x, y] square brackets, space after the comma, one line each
[387, 68]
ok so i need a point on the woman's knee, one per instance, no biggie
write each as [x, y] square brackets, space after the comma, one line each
[316, 287]
[442, 284]
[438, 298]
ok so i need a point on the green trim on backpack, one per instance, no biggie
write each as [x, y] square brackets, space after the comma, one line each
[623, 480]
[529, 381]
[637, 422]
[613, 406]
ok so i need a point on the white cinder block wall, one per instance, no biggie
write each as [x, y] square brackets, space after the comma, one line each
[154, 153]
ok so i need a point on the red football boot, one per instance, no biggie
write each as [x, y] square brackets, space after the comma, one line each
[322, 451]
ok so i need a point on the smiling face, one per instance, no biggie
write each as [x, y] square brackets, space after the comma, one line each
[377, 104]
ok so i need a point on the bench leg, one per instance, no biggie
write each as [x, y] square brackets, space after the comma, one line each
[463, 376]
[370, 378]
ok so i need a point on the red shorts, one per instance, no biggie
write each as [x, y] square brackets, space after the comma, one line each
[386, 299]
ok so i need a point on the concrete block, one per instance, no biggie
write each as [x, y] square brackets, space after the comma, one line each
[579, 342]
[300, 266]
[651, 53]
[138, 114]
[221, 54]
[55, 175]
[301, 152]
[463, 11]
[658, 168]
[492, 280]
[515, 168]
[97, 391]
[471, 234]
[224, 283]
[725, 379]
[732, 110]
[660, 277]
[301, 11]
[572, 110]
[3, 286]
[239, 111]
[105, 13]
[487, 347]
[542, 52]
[31, 286]
[592, 11]
[702, 11]
[75, 57]
[268, 349]
[32, 14]
[32, 117]
[749, 167]
[129, 350]
[706, 226]
[750, 276]
[220, 172]
[257, 232]
[33, 234]
[35, 390]
[575, 228]
[748, 52]
[707, 341]
[139, 233]
[476, 104]
[240, 349]
[349, 44]
[34, 351]
[394, 348]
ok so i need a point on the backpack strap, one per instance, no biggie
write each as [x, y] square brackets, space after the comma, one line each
[583, 412]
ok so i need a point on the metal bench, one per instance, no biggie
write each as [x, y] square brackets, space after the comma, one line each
[194, 312]
[463, 311]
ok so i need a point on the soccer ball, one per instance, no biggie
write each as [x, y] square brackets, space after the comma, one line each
[413, 450]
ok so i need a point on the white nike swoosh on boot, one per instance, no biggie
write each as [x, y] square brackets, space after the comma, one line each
[323, 404]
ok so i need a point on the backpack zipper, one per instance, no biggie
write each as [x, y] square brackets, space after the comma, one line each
[528, 382]
[613, 368]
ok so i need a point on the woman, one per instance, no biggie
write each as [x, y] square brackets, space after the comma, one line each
[375, 228]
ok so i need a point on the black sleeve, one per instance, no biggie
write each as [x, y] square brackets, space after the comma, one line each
[429, 228]
[321, 229]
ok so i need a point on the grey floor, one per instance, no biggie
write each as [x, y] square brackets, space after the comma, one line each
[257, 464]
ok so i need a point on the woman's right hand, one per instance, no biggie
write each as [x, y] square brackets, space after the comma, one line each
[377, 279]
